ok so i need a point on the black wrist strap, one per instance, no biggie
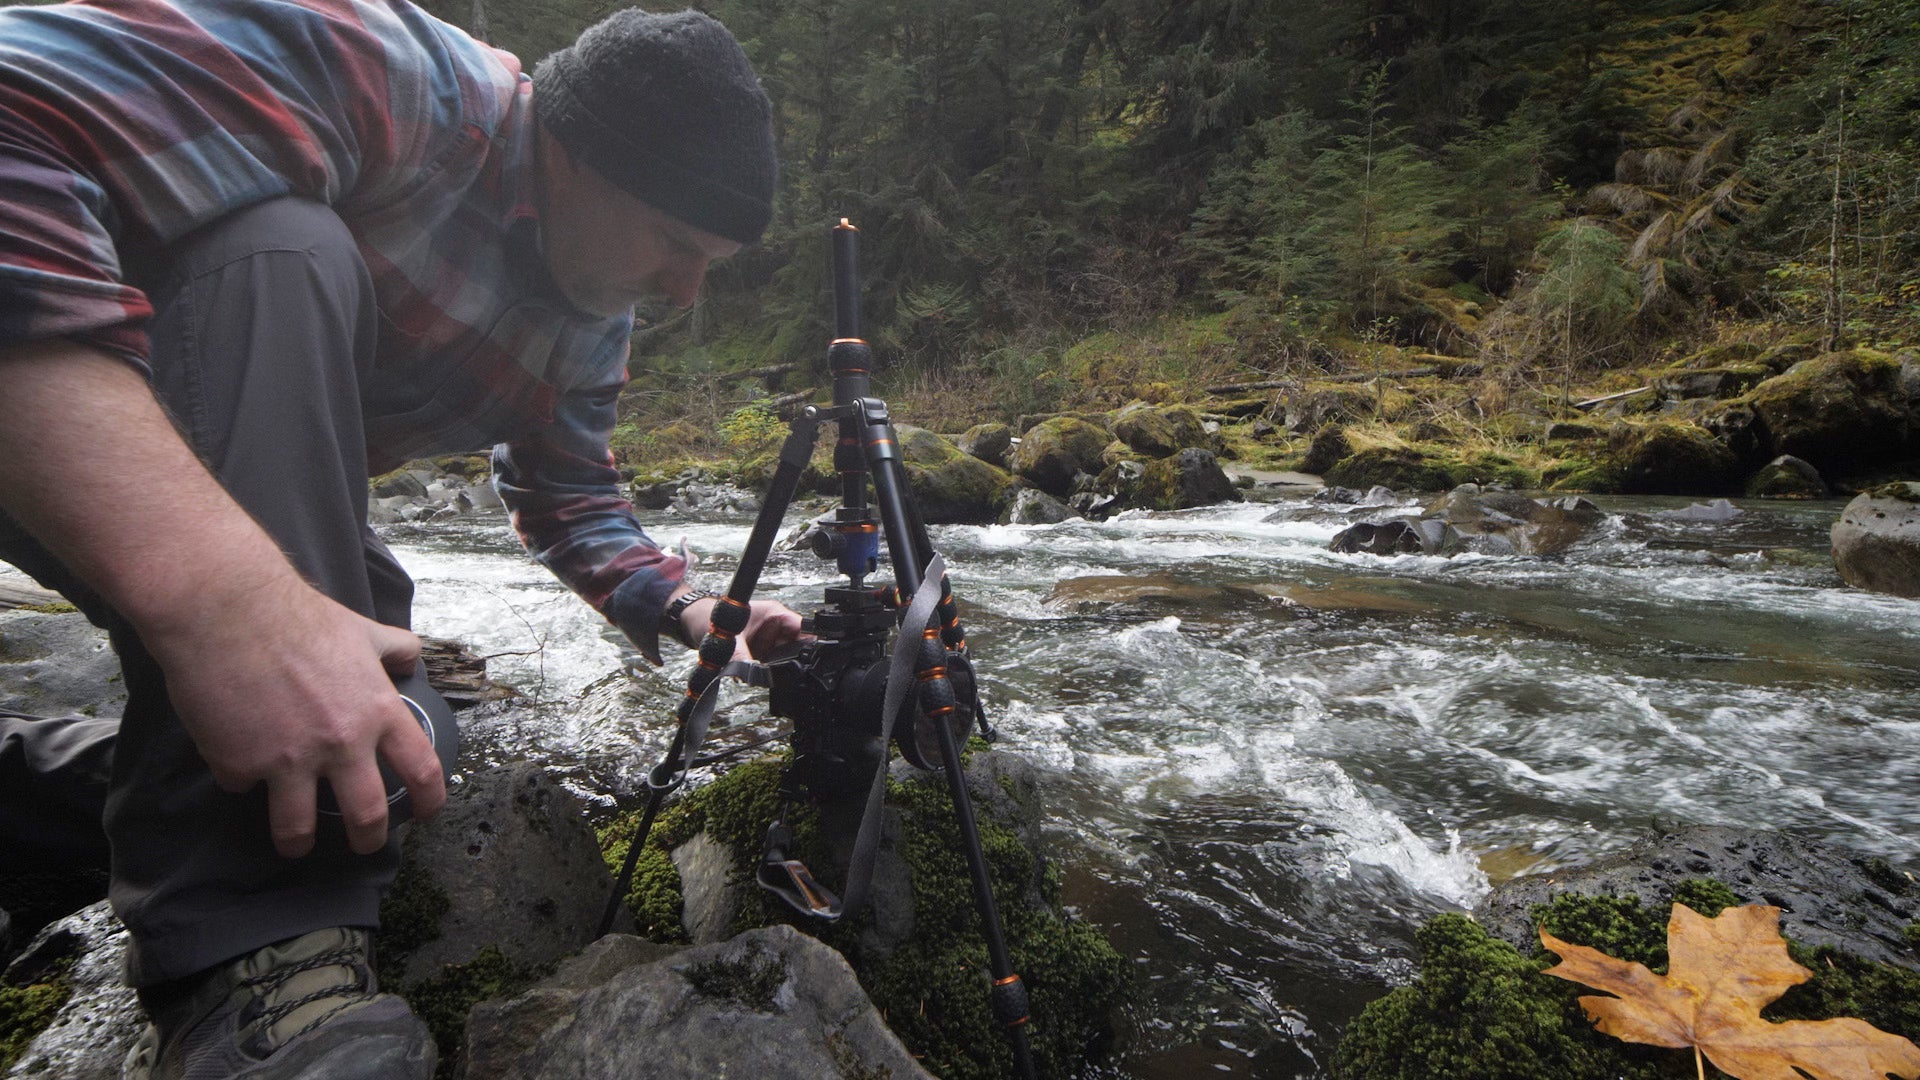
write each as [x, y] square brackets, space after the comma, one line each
[670, 619]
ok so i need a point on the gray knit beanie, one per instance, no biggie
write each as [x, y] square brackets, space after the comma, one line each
[668, 109]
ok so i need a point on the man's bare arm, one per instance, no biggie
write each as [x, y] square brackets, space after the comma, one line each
[274, 681]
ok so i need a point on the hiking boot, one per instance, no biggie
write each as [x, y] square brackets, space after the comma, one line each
[301, 1009]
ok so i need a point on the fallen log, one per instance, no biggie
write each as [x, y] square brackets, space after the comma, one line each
[1356, 376]
[768, 372]
[1603, 399]
[459, 675]
[19, 594]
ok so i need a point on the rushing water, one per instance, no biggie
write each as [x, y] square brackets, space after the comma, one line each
[1264, 778]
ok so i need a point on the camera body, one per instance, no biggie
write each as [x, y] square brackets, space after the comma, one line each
[833, 688]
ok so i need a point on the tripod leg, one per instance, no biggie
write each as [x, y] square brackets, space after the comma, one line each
[716, 650]
[904, 530]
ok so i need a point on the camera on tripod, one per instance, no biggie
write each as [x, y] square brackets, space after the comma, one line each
[833, 689]
[884, 665]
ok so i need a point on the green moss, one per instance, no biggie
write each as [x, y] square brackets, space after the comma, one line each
[410, 914]
[26, 1011]
[56, 607]
[1401, 468]
[1581, 473]
[1480, 1010]
[1902, 490]
[734, 809]
[750, 983]
[444, 1001]
[934, 990]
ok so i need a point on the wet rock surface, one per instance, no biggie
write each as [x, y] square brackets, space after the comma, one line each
[1876, 542]
[1826, 895]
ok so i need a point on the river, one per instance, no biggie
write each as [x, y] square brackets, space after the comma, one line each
[1262, 781]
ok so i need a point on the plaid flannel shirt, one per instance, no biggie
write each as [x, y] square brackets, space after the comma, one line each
[125, 124]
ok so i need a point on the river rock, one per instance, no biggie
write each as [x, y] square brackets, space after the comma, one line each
[1843, 412]
[436, 490]
[57, 665]
[1827, 896]
[1055, 451]
[1787, 477]
[1158, 595]
[515, 865]
[1031, 506]
[1329, 445]
[1876, 542]
[1161, 431]
[1397, 537]
[1469, 518]
[1712, 382]
[98, 1023]
[1717, 512]
[1402, 468]
[1671, 459]
[951, 487]
[991, 443]
[771, 1004]
[1190, 478]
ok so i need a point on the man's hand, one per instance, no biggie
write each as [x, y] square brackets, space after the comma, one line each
[292, 689]
[273, 681]
[770, 625]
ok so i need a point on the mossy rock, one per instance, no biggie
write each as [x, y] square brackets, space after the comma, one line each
[1729, 354]
[1161, 432]
[1328, 447]
[1671, 459]
[1583, 473]
[1844, 412]
[1480, 1008]
[1401, 468]
[1787, 477]
[932, 988]
[26, 1011]
[1054, 451]
[1712, 382]
[950, 486]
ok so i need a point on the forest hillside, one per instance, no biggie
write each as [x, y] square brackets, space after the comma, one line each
[1072, 204]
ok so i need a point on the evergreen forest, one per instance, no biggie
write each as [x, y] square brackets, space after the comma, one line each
[1075, 203]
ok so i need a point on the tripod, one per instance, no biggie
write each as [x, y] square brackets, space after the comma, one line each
[845, 689]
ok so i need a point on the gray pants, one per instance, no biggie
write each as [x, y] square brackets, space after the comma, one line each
[265, 324]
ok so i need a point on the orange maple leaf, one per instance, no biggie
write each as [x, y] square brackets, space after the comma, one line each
[1721, 972]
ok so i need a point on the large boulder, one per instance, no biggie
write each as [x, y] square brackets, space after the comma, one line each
[509, 864]
[773, 1004]
[1031, 506]
[991, 443]
[1827, 895]
[1470, 519]
[1876, 542]
[70, 976]
[1190, 478]
[1055, 451]
[950, 486]
[1402, 468]
[1844, 412]
[57, 665]
[1713, 382]
[1327, 447]
[1787, 477]
[1161, 431]
[1671, 459]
